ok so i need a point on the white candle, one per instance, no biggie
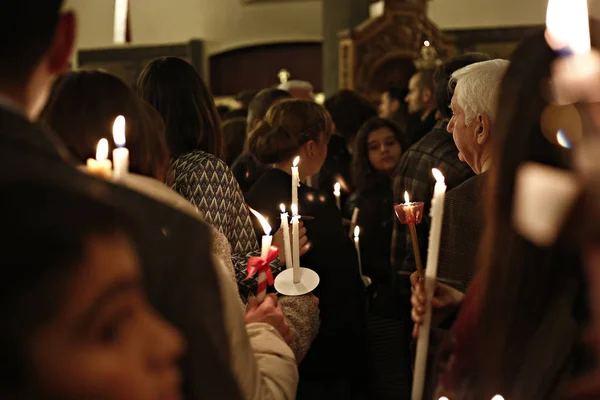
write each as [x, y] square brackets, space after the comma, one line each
[336, 192]
[437, 214]
[295, 181]
[267, 239]
[286, 237]
[101, 166]
[120, 153]
[357, 245]
[296, 243]
[120, 23]
[567, 26]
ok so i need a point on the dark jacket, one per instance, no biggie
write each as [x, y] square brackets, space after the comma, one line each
[462, 229]
[413, 174]
[338, 349]
[246, 171]
[175, 250]
[376, 220]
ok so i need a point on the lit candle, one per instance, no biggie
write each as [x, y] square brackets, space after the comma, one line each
[267, 239]
[295, 182]
[286, 237]
[336, 192]
[354, 220]
[101, 166]
[575, 75]
[120, 153]
[120, 23]
[296, 243]
[357, 245]
[413, 232]
[437, 214]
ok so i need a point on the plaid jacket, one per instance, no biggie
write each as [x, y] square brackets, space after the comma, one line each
[413, 174]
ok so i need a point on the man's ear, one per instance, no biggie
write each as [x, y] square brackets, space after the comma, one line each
[63, 44]
[482, 129]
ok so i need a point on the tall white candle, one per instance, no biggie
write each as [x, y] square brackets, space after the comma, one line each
[336, 192]
[295, 181]
[437, 215]
[267, 239]
[357, 245]
[296, 243]
[120, 153]
[120, 24]
[286, 237]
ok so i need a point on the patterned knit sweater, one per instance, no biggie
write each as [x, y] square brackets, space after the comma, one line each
[209, 185]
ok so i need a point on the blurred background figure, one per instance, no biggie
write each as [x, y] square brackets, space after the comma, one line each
[421, 105]
[234, 139]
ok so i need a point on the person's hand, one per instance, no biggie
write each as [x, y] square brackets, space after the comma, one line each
[269, 312]
[445, 300]
[304, 243]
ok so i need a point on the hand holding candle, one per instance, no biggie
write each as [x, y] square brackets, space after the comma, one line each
[120, 153]
[100, 166]
[437, 214]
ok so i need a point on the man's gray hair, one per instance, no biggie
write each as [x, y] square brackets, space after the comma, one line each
[477, 88]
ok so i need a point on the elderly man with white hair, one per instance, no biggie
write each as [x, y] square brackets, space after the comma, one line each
[474, 103]
[473, 108]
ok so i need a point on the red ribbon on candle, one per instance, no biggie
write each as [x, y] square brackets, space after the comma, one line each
[258, 264]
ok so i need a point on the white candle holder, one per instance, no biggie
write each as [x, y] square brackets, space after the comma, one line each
[284, 282]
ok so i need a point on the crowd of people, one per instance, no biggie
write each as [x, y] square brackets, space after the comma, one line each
[138, 288]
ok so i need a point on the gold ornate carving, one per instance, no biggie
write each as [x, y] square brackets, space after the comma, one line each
[386, 50]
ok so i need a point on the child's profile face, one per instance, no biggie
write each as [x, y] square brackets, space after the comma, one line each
[106, 342]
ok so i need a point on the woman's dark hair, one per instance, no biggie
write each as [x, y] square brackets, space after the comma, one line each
[177, 91]
[286, 127]
[349, 111]
[49, 228]
[234, 135]
[364, 175]
[83, 107]
[519, 279]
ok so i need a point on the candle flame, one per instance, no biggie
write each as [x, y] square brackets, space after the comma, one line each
[497, 397]
[102, 150]
[426, 43]
[282, 207]
[356, 231]
[406, 198]
[336, 188]
[443, 398]
[567, 25]
[296, 161]
[437, 174]
[294, 209]
[562, 139]
[263, 221]
[119, 131]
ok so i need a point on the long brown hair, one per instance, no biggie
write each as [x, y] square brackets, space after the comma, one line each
[518, 277]
[364, 176]
[176, 90]
[83, 108]
[286, 127]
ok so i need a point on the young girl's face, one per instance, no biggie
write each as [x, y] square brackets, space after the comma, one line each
[106, 341]
[383, 150]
